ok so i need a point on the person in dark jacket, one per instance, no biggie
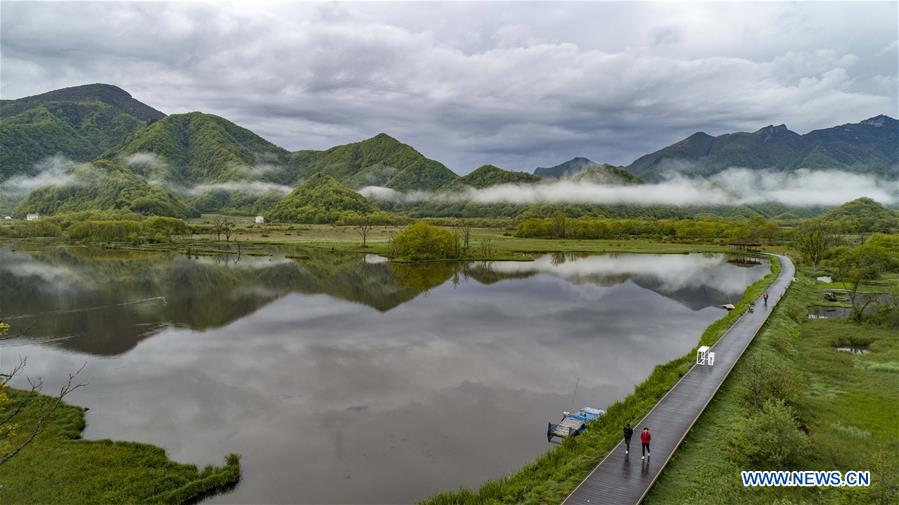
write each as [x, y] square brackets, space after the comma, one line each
[628, 433]
[645, 437]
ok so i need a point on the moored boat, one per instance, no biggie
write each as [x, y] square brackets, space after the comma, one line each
[572, 423]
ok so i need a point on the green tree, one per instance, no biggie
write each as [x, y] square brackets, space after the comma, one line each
[558, 226]
[861, 264]
[813, 240]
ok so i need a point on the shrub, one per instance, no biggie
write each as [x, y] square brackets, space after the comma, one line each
[39, 228]
[771, 439]
[422, 241]
[769, 378]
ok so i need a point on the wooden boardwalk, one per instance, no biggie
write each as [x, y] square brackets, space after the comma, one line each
[620, 479]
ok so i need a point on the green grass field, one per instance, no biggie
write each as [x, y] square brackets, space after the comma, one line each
[60, 468]
[501, 240]
[848, 406]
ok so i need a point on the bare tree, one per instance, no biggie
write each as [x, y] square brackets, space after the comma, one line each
[219, 223]
[10, 418]
[228, 230]
[465, 233]
[364, 226]
[487, 250]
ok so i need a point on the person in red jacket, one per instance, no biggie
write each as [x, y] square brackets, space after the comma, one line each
[645, 437]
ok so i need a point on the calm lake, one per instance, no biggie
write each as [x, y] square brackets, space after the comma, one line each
[343, 379]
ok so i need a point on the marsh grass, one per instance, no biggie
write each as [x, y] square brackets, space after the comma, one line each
[848, 410]
[61, 468]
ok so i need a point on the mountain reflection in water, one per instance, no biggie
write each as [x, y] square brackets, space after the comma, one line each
[342, 379]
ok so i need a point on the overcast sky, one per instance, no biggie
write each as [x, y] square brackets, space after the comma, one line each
[515, 84]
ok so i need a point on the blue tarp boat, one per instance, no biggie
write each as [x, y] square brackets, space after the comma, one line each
[572, 423]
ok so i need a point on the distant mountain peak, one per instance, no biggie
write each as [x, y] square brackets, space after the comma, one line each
[384, 137]
[486, 168]
[571, 167]
[774, 129]
[879, 121]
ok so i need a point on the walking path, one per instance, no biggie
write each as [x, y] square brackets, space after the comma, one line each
[620, 479]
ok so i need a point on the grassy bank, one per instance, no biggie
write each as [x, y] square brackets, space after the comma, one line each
[502, 241]
[290, 240]
[59, 467]
[555, 474]
[846, 406]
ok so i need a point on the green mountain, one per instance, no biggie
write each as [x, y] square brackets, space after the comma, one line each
[378, 161]
[203, 148]
[871, 146]
[567, 169]
[79, 122]
[321, 199]
[864, 214]
[103, 185]
[605, 174]
[491, 175]
[868, 147]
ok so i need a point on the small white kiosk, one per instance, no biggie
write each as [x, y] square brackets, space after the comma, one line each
[704, 357]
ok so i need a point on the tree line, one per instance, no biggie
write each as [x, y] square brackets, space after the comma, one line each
[756, 228]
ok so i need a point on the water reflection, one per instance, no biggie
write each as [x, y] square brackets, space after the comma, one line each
[346, 380]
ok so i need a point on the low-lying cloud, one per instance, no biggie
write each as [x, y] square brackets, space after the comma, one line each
[247, 187]
[735, 186]
[60, 171]
[51, 171]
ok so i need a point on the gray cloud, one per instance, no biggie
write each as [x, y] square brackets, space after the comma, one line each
[472, 83]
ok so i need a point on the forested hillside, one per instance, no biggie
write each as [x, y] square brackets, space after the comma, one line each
[321, 199]
[379, 161]
[605, 174]
[104, 185]
[203, 148]
[491, 175]
[79, 123]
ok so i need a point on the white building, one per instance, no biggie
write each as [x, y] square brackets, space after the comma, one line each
[34, 216]
[260, 220]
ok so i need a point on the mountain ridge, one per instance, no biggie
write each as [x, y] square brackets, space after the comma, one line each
[870, 146]
[196, 151]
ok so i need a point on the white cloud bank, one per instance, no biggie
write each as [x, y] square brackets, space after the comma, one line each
[735, 186]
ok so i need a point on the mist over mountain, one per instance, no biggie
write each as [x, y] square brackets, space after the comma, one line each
[320, 199]
[491, 175]
[203, 162]
[201, 148]
[102, 185]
